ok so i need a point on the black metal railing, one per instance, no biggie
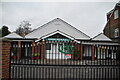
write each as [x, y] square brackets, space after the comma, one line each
[64, 59]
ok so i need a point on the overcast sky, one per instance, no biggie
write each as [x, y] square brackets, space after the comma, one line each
[89, 17]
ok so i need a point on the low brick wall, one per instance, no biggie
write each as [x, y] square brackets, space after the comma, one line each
[4, 58]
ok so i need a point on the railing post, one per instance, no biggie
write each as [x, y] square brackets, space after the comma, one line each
[33, 50]
[33, 47]
[81, 51]
[78, 47]
[43, 50]
[118, 55]
[93, 52]
[72, 55]
[39, 47]
[19, 50]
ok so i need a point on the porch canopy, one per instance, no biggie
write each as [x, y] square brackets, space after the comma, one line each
[15, 37]
[100, 39]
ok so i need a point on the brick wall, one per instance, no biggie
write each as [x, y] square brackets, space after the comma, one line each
[112, 24]
[5, 58]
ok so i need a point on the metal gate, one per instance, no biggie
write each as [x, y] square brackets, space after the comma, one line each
[64, 59]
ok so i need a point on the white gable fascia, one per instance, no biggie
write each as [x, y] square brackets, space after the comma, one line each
[60, 32]
[101, 37]
[55, 32]
[57, 24]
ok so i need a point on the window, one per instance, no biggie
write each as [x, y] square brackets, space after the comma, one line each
[48, 46]
[116, 32]
[116, 14]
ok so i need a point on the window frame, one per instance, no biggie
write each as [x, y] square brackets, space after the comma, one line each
[116, 14]
[116, 32]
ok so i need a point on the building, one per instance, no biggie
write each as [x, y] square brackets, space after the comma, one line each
[112, 27]
[58, 39]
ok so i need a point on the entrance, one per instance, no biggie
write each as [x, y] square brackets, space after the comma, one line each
[52, 48]
[52, 51]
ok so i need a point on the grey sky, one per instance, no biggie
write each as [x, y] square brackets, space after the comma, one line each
[89, 17]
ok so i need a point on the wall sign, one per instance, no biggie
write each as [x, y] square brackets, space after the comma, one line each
[65, 49]
[57, 39]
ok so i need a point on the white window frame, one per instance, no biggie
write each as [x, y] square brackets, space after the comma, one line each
[116, 14]
[116, 33]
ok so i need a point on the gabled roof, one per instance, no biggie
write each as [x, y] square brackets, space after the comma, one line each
[118, 4]
[55, 32]
[57, 25]
[101, 37]
[13, 35]
[112, 11]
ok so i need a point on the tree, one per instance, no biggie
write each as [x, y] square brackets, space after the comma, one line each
[4, 31]
[24, 28]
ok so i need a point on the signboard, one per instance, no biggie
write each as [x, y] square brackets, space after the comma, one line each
[67, 56]
[66, 49]
[57, 39]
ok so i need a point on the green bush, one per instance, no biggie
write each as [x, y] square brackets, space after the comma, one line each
[15, 50]
[38, 54]
[35, 54]
[76, 53]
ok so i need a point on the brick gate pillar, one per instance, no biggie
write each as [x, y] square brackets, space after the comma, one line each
[5, 58]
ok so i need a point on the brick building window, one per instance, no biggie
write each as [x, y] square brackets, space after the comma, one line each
[116, 14]
[116, 32]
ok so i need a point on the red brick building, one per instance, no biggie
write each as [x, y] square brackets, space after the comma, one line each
[112, 27]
